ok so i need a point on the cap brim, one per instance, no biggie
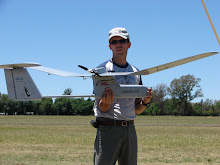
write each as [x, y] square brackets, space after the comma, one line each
[118, 36]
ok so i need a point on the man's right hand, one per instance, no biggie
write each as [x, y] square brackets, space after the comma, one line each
[106, 100]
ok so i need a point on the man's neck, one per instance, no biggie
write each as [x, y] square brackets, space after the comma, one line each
[120, 63]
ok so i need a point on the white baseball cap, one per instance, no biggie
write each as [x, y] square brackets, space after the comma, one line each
[118, 31]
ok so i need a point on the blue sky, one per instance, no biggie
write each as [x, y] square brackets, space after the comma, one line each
[64, 34]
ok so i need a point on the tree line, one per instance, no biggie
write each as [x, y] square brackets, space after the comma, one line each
[47, 106]
[173, 100]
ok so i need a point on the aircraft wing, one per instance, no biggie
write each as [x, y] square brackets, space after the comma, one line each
[155, 69]
[37, 66]
[60, 72]
[173, 64]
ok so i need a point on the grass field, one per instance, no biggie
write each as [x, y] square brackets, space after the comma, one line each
[65, 140]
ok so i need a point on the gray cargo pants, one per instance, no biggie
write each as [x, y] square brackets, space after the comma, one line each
[114, 143]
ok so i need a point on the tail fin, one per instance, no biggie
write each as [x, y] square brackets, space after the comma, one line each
[20, 85]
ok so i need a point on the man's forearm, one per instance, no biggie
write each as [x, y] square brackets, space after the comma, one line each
[139, 107]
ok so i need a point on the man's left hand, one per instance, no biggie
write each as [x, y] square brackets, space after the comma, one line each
[148, 98]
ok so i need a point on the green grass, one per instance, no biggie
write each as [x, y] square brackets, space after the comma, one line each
[65, 140]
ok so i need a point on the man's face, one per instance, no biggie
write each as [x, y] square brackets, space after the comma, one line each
[119, 46]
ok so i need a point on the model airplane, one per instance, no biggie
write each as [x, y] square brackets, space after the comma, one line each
[21, 86]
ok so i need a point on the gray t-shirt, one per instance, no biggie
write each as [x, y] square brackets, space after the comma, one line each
[121, 108]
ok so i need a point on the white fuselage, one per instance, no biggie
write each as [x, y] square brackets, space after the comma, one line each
[120, 91]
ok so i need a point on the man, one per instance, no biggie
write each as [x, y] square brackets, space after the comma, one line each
[116, 137]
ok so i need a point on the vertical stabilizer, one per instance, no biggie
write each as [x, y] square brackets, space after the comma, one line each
[20, 85]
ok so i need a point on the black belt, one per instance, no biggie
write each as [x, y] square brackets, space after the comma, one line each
[116, 123]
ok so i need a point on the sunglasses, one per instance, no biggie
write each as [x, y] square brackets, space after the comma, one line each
[118, 41]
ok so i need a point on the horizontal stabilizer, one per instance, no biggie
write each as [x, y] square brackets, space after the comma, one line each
[19, 65]
[68, 96]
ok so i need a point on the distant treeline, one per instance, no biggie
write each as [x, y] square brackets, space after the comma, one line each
[80, 106]
[174, 107]
[47, 106]
[173, 100]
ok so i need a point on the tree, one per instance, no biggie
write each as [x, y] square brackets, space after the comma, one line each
[160, 92]
[217, 105]
[85, 107]
[186, 88]
[4, 104]
[168, 107]
[67, 91]
[63, 106]
[46, 107]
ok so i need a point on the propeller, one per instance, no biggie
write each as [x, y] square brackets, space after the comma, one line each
[83, 67]
[86, 69]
